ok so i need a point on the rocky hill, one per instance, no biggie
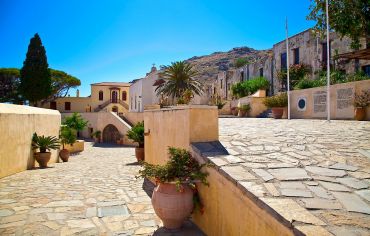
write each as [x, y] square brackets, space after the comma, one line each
[209, 65]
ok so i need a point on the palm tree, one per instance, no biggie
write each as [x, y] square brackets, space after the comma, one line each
[178, 80]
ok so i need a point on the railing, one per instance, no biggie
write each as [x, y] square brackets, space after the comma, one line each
[106, 103]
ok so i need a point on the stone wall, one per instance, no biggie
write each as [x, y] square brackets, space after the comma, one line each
[314, 101]
[17, 125]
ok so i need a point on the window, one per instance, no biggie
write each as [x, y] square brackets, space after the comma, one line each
[221, 83]
[135, 103]
[132, 106]
[324, 52]
[53, 105]
[366, 69]
[261, 72]
[247, 72]
[67, 106]
[241, 75]
[283, 65]
[124, 95]
[214, 90]
[101, 96]
[296, 56]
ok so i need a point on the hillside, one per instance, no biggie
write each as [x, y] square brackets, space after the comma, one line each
[209, 65]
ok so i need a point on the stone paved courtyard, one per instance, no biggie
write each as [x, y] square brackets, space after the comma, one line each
[96, 193]
[314, 173]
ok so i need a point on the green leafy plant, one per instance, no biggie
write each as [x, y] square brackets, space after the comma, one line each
[136, 134]
[280, 100]
[44, 143]
[240, 62]
[245, 107]
[96, 134]
[362, 100]
[67, 136]
[217, 101]
[249, 87]
[75, 122]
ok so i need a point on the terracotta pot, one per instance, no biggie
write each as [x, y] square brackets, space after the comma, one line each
[234, 112]
[360, 113]
[139, 153]
[64, 155]
[242, 113]
[171, 206]
[43, 158]
[277, 112]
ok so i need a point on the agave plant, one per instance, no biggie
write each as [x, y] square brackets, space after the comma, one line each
[179, 80]
[45, 142]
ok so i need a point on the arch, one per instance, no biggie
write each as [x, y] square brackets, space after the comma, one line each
[101, 95]
[110, 134]
[124, 96]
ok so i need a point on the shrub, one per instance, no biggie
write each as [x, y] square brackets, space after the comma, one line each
[249, 87]
[136, 134]
[280, 100]
[245, 107]
[240, 62]
[362, 99]
[67, 136]
[306, 83]
[75, 122]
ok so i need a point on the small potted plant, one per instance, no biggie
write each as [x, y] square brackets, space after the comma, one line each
[360, 103]
[136, 134]
[175, 195]
[244, 109]
[67, 136]
[44, 144]
[277, 104]
[97, 136]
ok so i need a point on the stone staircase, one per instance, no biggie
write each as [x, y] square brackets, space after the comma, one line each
[126, 120]
[265, 114]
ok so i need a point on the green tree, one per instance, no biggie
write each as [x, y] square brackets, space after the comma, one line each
[346, 17]
[9, 83]
[240, 62]
[179, 78]
[76, 122]
[35, 83]
[61, 83]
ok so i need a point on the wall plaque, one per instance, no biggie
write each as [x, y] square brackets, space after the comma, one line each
[319, 102]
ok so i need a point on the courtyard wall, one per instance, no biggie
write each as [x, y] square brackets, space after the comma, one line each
[17, 125]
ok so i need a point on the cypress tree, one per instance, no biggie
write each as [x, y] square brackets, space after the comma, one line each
[35, 83]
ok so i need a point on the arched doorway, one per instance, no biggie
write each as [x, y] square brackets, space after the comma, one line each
[114, 96]
[110, 134]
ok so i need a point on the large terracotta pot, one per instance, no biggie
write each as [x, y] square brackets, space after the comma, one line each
[43, 158]
[173, 207]
[139, 153]
[234, 112]
[277, 112]
[242, 113]
[360, 113]
[64, 155]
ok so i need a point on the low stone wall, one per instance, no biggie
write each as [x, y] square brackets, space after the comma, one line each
[311, 103]
[178, 127]
[78, 146]
[17, 125]
[255, 101]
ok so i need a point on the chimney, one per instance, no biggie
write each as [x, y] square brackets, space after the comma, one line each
[78, 93]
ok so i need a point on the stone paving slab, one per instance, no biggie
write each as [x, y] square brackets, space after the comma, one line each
[95, 193]
[314, 173]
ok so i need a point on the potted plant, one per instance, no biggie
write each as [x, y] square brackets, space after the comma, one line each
[360, 103]
[234, 111]
[75, 122]
[44, 144]
[277, 104]
[175, 195]
[67, 136]
[136, 134]
[97, 136]
[244, 109]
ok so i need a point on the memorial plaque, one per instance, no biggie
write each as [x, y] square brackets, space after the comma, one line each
[344, 102]
[319, 103]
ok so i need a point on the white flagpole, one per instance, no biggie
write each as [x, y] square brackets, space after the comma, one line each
[287, 65]
[327, 63]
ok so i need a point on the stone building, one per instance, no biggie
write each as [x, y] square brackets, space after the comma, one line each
[308, 49]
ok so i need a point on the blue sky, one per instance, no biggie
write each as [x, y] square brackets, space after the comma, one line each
[118, 40]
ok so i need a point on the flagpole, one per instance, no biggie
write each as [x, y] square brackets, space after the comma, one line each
[287, 65]
[327, 63]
